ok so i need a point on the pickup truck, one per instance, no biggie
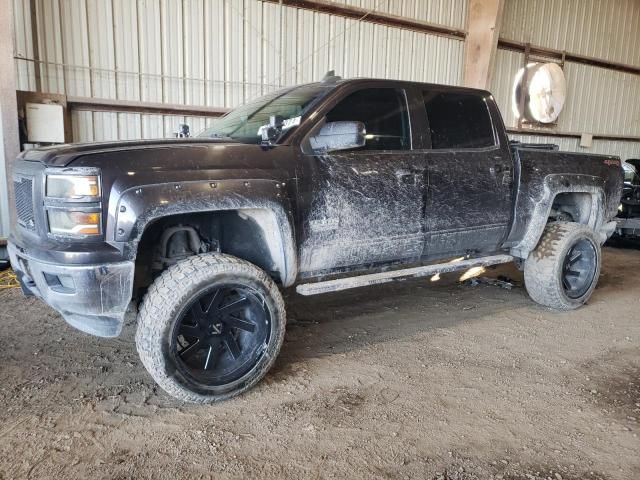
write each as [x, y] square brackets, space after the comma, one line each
[325, 186]
[629, 212]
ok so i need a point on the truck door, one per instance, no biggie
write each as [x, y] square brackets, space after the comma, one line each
[470, 173]
[364, 206]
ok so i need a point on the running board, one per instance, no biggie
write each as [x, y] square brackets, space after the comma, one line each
[384, 277]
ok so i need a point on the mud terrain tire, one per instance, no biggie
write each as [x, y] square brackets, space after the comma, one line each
[172, 296]
[563, 270]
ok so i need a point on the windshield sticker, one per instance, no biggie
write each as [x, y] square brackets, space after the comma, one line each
[290, 123]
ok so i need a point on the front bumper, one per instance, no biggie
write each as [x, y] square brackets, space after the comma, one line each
[91, 298]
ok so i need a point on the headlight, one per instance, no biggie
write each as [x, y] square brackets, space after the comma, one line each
[69, 222]
[73, 187]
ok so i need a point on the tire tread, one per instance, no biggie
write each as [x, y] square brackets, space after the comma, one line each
[541, 267]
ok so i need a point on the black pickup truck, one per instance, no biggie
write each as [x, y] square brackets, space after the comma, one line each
[629, 212]
[326, 186]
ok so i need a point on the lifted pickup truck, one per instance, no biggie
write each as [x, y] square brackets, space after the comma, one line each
[629, 211]
[326, 186]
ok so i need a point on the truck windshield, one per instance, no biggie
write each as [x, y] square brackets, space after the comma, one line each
[244, 123]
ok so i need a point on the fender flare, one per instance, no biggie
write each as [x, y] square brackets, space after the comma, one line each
[552, 186]
[138, 207]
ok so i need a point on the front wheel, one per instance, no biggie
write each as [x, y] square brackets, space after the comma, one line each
[563, 270]
[210, 327]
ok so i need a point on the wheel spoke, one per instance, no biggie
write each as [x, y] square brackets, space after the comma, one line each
[190, 331]
[235, 306]
[215, 352]
[206, 362]
[232, 344]
[239, 323]
[574, 258]
[189, 351]
[214, 301]
[197, 312]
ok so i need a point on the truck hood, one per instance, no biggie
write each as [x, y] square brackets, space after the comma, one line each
[63, 155]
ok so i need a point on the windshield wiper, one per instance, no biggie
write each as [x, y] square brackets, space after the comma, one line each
[218, 135]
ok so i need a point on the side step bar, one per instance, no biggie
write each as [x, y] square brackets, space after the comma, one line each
[384, 277]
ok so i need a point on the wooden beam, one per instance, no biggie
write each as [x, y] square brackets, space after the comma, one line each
[367, 15]
[10, 140]
[484, 20]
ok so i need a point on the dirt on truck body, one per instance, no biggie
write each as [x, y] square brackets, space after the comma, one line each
[325, 186]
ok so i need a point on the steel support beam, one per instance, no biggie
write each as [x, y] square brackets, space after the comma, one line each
[507, 44]
[112, 105]
[483, 30]
[372, 16]
[9, 137]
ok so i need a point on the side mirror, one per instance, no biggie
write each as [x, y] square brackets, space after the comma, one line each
[270, 132]
[183, 131]
[339, 136]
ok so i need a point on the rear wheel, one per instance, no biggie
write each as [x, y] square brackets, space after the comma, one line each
[563, 270]
[210, 327]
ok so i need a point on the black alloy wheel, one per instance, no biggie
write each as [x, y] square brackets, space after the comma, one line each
[221, 335]
[579, 268]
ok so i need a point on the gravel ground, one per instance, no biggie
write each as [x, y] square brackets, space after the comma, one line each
[418, 379]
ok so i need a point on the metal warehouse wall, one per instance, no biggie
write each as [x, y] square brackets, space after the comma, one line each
[606, 29]
[217, 52]
[599, 101]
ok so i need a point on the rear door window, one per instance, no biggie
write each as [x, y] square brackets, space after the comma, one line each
[458, 120]
[384, 114]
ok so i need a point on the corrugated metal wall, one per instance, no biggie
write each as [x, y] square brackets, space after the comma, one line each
[218, 53]
[605, 29]
[599, 101]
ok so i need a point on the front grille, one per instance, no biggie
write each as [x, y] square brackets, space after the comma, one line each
[23, 188]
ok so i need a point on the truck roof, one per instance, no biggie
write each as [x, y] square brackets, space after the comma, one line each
[452, 88]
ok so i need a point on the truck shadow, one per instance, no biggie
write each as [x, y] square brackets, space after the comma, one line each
[355, 319]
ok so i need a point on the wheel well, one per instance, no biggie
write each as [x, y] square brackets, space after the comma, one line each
[250, 234]
[572, 207]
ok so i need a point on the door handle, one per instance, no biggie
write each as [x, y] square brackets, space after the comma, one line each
[409, 177]
[498, 168]
[501, 169]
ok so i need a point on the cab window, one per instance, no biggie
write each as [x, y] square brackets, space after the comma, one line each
[384, 114]
[458, 120]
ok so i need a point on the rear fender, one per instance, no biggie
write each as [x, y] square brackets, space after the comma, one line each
[542, 203]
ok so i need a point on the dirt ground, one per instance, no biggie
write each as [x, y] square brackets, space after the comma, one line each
[419, 379]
